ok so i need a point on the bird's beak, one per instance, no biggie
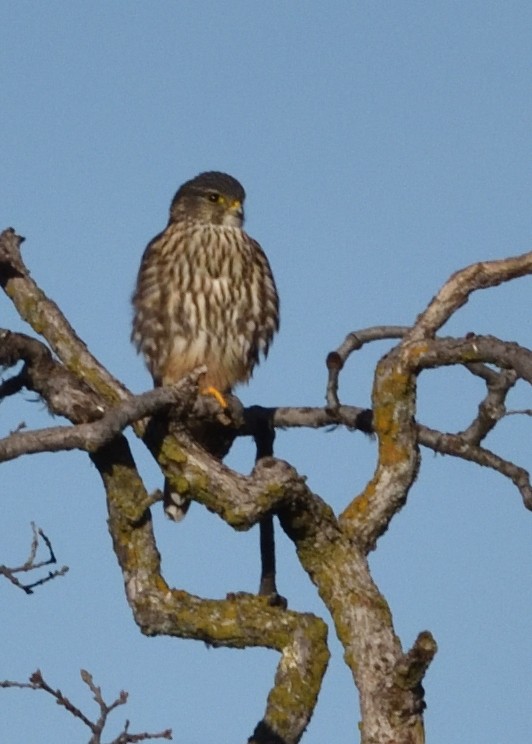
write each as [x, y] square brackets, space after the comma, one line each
[237, 209]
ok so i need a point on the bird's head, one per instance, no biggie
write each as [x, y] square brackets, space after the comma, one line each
[212, 197]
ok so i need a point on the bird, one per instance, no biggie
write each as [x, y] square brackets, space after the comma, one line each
[205, 296]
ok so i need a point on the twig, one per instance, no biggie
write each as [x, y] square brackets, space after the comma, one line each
[491, 409]
[457, 446]
[31, 564]
[37, 682]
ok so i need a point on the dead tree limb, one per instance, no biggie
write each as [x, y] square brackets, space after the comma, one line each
[37, 682]
[32, 564]
[333, 551]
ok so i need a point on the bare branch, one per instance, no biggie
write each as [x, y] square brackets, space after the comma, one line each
[352, 417]
[37, 682]
[63, 392]
[394, 398]
[93, 435]
[45, 318]
[353, 342]
[492, 408]
[456, 291]
[412, 668]
[239, 621]
[443, 352]
[332, 551]
[458, 446]
[31, 564]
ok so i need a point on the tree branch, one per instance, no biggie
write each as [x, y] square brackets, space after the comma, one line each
[332, 551]
[492, 408]
[32, 564]
[92, 436]
[352, 417]
[456, 291]
[239, 621]
[353, 342]
[45, 318]
[37, 682]
[394, 409]
[458, 446]
[64, 394]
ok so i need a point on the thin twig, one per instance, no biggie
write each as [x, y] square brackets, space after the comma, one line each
[31, 564]
[37, 682]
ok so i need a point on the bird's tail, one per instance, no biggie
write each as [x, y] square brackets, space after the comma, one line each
[175, 505]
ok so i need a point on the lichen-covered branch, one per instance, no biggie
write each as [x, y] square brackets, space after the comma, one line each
[45, 318]
[394, 407]
[238, 622]
[368, 516]
[92, 436]
[353, 342]
[63, 392]
[394, 392]
[333, 551]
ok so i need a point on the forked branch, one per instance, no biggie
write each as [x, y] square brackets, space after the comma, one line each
[32, 564]
[332, 551]
[37, 682]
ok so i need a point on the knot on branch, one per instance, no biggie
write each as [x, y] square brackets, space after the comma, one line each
[273, 469]
[412, 667]
[11, 264]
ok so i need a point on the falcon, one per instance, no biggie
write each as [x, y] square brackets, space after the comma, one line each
[205, 294]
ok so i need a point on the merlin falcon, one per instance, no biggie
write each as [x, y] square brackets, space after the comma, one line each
[205, 293]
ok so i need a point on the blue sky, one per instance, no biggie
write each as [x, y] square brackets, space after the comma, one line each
[383, 145]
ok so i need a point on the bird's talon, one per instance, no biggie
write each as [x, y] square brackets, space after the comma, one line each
[211, 390]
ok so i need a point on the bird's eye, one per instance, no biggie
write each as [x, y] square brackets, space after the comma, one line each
[214, 197]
